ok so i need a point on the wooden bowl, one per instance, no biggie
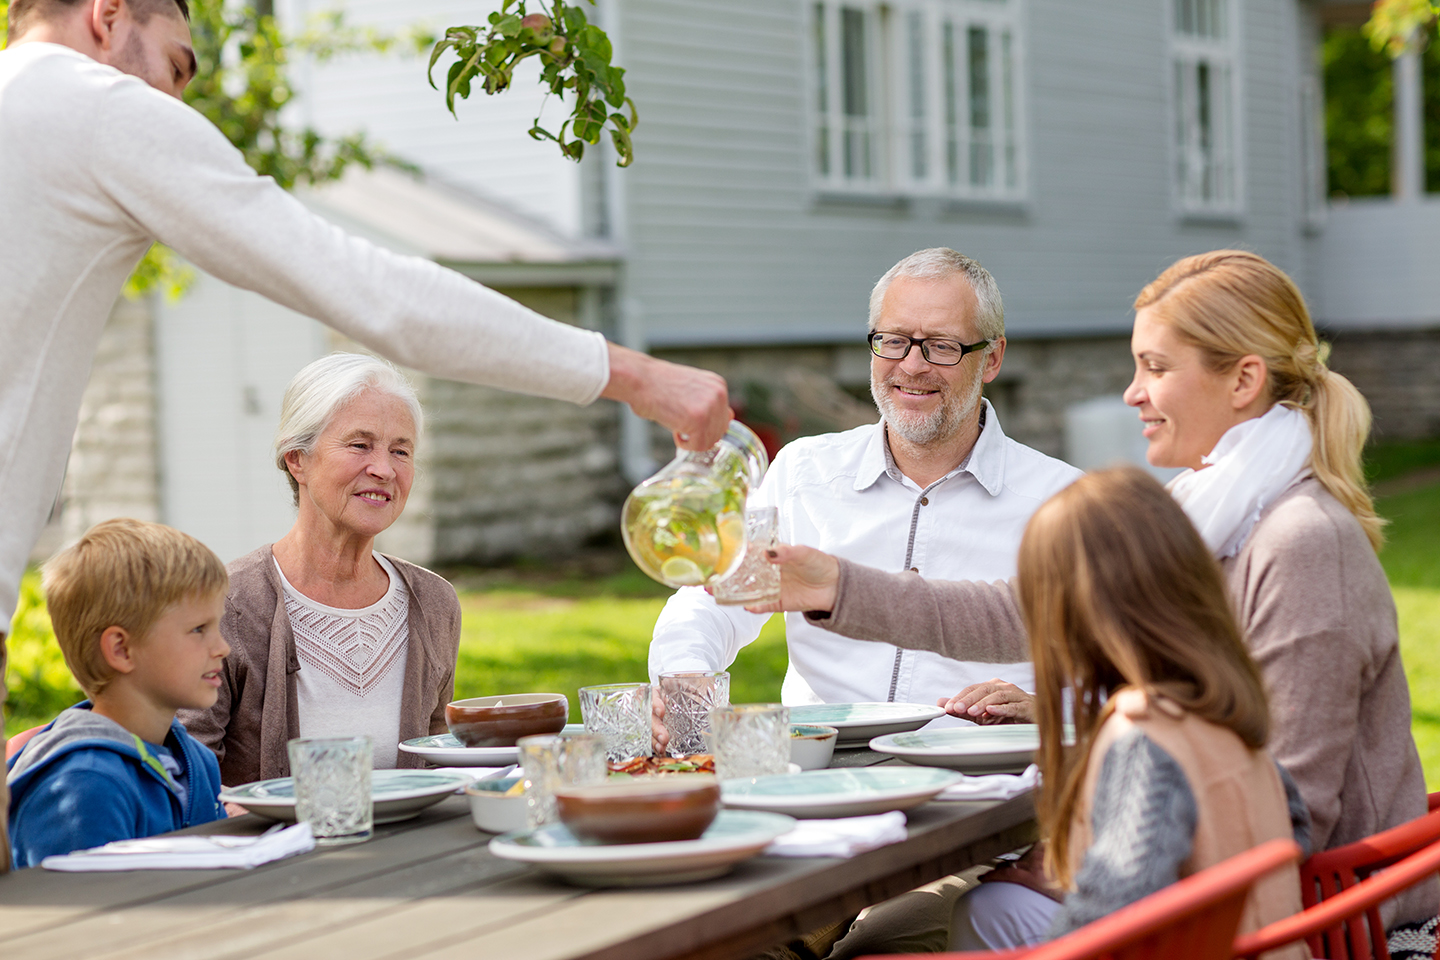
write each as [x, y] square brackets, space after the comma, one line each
[641, 810]
[500, 721]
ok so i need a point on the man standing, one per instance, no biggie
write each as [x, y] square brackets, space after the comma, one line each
[936, 487]
[99, 158]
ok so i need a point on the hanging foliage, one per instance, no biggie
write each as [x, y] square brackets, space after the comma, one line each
[574, 57]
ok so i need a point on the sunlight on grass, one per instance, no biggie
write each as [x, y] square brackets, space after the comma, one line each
[523, 641]
[1412, 562]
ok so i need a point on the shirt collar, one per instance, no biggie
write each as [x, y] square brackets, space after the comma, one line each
[986, 462]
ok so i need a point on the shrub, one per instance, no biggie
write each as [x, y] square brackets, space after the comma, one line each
[40, 685]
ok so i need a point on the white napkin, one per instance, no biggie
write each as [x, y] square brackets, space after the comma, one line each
[840, 838]
[188, 853]
[998, 786]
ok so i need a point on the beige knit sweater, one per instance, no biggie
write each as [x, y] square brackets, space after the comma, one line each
[1319, 620]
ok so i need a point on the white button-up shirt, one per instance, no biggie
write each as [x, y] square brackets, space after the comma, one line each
[842, 493]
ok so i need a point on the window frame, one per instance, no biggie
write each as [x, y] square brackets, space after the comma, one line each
[1188, 51]
[892, 84]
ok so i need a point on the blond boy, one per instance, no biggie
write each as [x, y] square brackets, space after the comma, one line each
[136, 609]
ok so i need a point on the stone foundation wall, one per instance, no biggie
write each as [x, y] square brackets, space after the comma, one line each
[1399, 373]
[114, 457]
[1038, 379]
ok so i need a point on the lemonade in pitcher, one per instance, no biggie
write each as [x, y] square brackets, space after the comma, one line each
[686, 525]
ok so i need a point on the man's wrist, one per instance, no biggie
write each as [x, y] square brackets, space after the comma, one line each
[625, 372]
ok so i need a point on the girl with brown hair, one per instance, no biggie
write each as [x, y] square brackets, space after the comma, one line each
[1126, 608]
[1230, 383]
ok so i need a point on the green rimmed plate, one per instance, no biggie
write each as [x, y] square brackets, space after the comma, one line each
[852, 792]
[396, 794]
[444, 750]
[858, 723]
[1004, 748]
[735, 835]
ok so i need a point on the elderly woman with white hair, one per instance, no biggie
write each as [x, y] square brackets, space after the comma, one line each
[328, 637]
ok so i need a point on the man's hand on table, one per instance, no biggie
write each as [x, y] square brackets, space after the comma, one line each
[993, 701]
[692, 404]
[808, 580]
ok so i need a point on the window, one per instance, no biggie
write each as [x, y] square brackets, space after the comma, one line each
[918, 96]
[1204, 97]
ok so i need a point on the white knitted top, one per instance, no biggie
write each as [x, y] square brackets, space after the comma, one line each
[352, 665]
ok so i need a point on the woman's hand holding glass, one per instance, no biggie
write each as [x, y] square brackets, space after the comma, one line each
[808, 580]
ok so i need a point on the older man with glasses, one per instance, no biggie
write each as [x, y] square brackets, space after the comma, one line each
[935, 488]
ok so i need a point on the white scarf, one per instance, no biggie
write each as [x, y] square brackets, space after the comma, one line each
[1253, 463]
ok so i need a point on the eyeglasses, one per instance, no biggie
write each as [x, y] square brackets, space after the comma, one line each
[939, 351]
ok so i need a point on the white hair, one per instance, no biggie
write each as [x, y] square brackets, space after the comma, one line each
[318, 392]
[939, 263]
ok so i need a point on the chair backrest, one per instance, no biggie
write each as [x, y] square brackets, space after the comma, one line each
[1329, 926]
[1194, 919]
[1360, 936]
[13, 745]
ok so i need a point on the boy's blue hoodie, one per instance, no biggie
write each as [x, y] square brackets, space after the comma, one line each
[85, 780]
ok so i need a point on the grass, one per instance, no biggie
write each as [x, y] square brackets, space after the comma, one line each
[558, 635]
[1412, 562]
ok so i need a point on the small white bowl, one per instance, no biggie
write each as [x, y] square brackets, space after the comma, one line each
[812, 745]
[491, 810]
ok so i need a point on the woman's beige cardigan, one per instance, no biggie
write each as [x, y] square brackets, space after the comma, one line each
[256, 713]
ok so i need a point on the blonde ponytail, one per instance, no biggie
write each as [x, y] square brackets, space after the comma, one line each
[1231, 304]
[1340, 423]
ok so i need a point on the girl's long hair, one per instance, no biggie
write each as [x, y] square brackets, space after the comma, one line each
[1117, 589]
[1230, 304]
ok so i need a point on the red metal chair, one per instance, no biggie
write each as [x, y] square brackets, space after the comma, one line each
[13, 745]
[1331, 872]
[1194, 919]
[1332, 926]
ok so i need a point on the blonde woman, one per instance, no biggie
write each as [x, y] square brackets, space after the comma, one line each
[1231, 383]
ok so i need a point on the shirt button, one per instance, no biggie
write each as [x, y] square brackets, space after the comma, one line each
[924, 501]
[914, 569]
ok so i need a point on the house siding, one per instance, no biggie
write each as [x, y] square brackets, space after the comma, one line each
[729, 243]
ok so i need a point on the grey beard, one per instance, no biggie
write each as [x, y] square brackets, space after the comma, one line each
[939, 425]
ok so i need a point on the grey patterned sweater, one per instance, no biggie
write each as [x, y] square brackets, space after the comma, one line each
[1144, 824]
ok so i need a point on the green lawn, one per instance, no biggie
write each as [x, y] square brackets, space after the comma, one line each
[1412, 562]
[556, 637]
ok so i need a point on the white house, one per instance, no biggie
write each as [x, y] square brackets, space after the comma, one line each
[788, 152]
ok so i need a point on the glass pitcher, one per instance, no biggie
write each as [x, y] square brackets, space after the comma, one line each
[686, 525]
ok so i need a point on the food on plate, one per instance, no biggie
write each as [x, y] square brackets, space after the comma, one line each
[650, 766]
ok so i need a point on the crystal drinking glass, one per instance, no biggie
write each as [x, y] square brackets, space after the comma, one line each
[756, 580]
[619, 712]
[332, 787]
[689, 696]
[750, 739]
[558, 760]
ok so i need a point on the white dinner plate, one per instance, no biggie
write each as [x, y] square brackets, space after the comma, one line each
[397, 794]
[1004, 748]
[848, 792]
[858, 723]
[443, 750]
[735, 835]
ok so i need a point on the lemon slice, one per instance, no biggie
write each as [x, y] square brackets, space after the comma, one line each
[682, 572]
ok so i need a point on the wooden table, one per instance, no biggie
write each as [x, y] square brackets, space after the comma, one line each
[428, 889]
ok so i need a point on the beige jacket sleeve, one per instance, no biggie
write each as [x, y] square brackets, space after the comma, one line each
[960, 619]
